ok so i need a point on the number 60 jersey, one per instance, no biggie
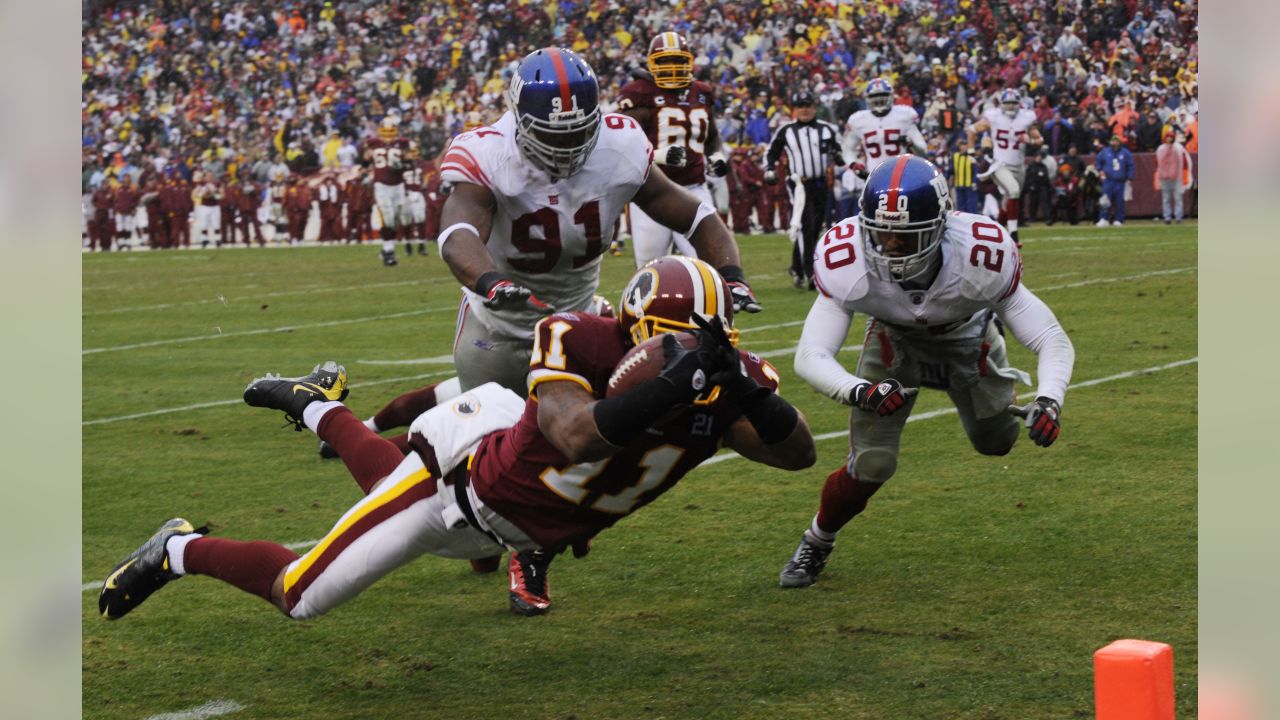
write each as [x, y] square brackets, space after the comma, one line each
[548, 235]
[520, 475]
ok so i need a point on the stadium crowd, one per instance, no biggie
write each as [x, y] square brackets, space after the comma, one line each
[245, 98]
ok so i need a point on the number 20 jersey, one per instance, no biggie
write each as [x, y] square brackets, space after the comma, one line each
[980, 268]
[548, 235]
[523, 477]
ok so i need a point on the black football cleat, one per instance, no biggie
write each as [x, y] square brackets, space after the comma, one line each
[327, 381]
[145, 571]
[530, 594]
[327, 452]
[389, 258]
[805, 565]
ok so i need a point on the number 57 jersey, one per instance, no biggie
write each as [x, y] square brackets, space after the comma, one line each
[548, 235]
[524, 478]
[980, 269]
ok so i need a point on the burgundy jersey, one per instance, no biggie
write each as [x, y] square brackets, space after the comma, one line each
[413, 178]
[519, 474]
[388, 158]
[676, 117]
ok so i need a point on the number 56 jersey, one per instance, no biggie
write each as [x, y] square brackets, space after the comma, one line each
[548, 235]
[980, 269]
[523, 477]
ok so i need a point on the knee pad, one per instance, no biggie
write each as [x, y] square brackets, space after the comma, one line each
[874, 466]
[995, 436]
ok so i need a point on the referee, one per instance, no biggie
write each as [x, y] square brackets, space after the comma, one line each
[812, 147]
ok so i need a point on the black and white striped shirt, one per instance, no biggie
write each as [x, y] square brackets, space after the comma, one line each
[811, 147]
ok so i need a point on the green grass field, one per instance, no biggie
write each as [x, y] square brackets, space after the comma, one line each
[972, 587]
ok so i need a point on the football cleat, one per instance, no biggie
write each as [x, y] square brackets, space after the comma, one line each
[327, 452]
[389, 258]
[805, 565]
[145, 571]
[327, 381]
[530, 594]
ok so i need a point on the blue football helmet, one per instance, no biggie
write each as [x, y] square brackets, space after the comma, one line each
[1010, 102]
[556, 101]
[879, 97]
[903, 217]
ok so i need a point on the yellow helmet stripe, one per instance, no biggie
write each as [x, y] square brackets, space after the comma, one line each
[705, 281]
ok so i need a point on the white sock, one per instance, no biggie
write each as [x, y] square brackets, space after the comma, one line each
[820, 536]
[372, 425]
[315, 411]
[388, 246]
[176, 548]
[1013, 226]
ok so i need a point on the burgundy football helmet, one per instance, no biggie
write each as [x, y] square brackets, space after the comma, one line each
[670, 61]
[665, 294]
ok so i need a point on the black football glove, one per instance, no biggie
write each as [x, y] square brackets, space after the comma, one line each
[689, 370]
[743, 299]
[1043, 420]
[675, 156]
[717, 165]
[731, 376]
[884, 398]
[770, 176]
[501, 294]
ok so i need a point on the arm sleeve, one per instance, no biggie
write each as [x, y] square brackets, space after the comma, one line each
[824, 331]
[775, 147]
[1036, 327]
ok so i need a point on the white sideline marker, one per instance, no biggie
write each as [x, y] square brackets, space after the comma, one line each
[842, 433]
[213, 708]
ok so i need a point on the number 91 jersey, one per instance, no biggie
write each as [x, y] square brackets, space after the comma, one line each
[548, 235]
[980, 269]
[676, 117]
[524, 478]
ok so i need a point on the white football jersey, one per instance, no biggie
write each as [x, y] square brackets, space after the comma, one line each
[548, 235]
[980, 268]
[1009, 134]
[885, 137]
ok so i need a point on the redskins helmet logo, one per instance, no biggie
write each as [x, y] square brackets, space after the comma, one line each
[640, 292]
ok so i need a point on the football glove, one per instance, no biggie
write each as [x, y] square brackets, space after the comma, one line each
[1043, 420]
[770, 176]
[688, 370]
[743, 299]
[501, 294]
[884, 398]
[675, 156]
[717, 165]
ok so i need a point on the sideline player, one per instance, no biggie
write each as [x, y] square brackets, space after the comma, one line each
[387, 153]
[489, 470]
[1011, 125]
[678, 116]
[882, 131]
[936, 286]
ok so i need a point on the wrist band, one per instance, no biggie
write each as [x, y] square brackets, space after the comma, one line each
[443, 236]
[486, 281]
[732, 273]
[619, 419]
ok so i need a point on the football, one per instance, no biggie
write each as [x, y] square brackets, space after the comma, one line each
[642, 362]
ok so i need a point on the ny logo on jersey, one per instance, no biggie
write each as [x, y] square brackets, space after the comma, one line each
[659, 100]
[553, 199]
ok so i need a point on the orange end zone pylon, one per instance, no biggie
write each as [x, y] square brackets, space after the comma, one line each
[1133, 680]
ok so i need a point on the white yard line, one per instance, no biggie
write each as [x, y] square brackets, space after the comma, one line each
[1122, 278]
[219, 403]
[222, 299]
[843, 433]
[213, 708]
[951, 410]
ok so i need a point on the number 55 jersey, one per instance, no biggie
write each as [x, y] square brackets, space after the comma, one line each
[548, 235]
[520, 475]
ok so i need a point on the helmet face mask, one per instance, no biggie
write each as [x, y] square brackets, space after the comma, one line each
[879, 97]
[1010, 102]
[388, 130]
[555, 99]
[665, 294]
[903, 218]
[670, 61]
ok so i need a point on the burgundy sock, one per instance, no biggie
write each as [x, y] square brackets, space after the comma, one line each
[405, 409]
[402, 441]
[250, 566]
[369, 457]
[843, 497]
